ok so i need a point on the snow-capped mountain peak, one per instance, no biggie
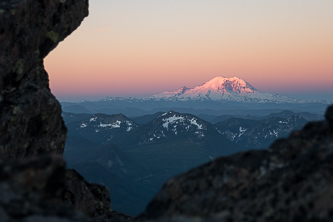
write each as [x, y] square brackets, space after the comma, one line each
[226, 85]
[224, 89]
[176, 125]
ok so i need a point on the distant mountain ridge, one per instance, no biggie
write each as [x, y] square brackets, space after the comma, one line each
[225, 89]
[142, 156]
[101, 128]
[217, 94]
[218, 84]
[174, 126]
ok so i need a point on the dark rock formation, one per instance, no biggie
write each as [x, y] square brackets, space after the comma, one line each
[32, 190]
[39, 189]
[292, 181]
[92, 199]
[30, 116]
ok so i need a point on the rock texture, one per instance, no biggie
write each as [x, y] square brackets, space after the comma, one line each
[41, 189]
[30, 116]
[92, 199]
[34, 184]
[291, 181]
[32, 190]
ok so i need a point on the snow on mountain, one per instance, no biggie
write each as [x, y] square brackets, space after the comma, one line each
[104, 121]
[179, 92]
[174, 119]
[172, 124]
[101, 128]
[259, 133]
[224, 89]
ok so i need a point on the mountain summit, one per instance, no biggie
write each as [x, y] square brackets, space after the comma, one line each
[224, 89]
[226, 86]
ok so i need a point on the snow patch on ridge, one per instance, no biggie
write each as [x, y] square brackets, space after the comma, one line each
[93, 119]
[180, 119]
[171, 120]
[112, 125]
[194, 122]
[241, 131]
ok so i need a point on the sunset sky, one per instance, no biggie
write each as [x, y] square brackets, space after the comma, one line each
[144, 47]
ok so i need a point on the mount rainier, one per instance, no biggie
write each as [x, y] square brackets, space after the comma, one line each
[224, 89]
[215, 95]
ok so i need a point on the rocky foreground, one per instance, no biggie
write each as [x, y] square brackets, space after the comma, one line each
[291, 181]
[34, 184]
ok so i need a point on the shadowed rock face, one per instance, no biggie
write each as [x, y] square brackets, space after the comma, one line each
[32, 189]
[30, 116]
[291, 181]
[41, 189]
[34, 184]
[90, 198]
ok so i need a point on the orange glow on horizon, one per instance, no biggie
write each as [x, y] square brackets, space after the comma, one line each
[147, 48]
